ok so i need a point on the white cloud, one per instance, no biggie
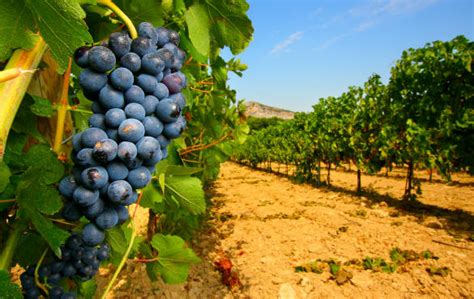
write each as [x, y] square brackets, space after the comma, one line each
[332, 41]
[379, 8]
[293, 38]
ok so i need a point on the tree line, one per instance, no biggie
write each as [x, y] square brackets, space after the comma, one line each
[422, 118]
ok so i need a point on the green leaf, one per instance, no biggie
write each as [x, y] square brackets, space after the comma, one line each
[16, 27]
[182, 170]
[25, 252]
[151, 197]
[8, 288]
[231, 25]
[37, 195]
[25, 120]
[88, 288]
[174, 259]
[142, 11]
[115, 237]
[53, 235]
[44, 165]
[188, 191]
[62, 27]
[4, 176]
[42, 107]
[197, 20]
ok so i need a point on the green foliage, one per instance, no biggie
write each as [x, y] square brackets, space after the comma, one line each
[174, 258]
[257, 123]
[423, 117]
[8, 288]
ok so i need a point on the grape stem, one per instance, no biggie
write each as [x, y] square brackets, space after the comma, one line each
[121, 15]
[10, 245]
[37, 282]
[62, 111]
[12, 91]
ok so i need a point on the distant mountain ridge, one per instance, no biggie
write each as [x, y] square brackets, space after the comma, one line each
[256, 109]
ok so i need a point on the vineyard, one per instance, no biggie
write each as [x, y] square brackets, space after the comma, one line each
[129, 168]
[421, 119]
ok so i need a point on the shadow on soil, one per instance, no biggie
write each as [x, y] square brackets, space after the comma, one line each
[456, 222]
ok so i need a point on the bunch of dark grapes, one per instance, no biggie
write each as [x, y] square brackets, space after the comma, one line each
[135, 86]
[78, 261]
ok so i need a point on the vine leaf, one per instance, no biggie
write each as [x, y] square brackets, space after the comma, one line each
[88, 288]
[16, 27]
[197, 20]
[142, 11]
[232, 27]
[174, 258]
[25, 253]
[42, 107]
[62, 26]
[9, 289]
[4, 176]
[188, 191]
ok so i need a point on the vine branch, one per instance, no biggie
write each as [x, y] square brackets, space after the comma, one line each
[121, 15]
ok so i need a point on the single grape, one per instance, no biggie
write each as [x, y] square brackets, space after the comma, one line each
[97, 121]
[92, 81]
[135, 95]
[179, 99]
[167, 56]
[127, 151]
[74, 242]
[163, 36]
[107, 219]
[133, 164]
[172, 47]
[101, 59]
[135, 110]
[113, 134]
[159, 77]
[155, 158]
[131, 61]
[92, 235]
[167, 110]
[163, 143]
[152, 63]
[94, 210]
[161, 91]
[121, 78]
[67, 186]
[56, 293]
[139, 178]
[105, 150]
[150, 104]
[97, 108]
[122, 213]
[57, 266]
[95, 178]
[84, 158]
[147, 146]
[117, 171]
[81, 56]
[77, 142]
[111, 98]
[120, 43]
[32, 293]
[71, 212]
[142, 46]
[131, 130]
[68, 270]
[54, 279]
[174, 37]
[147, 30]
[147, 82]
[175, 82]
[91, 136]
[131, 200]
[174, 129]
[153, 126]
[119, 191]
[114, 117]
[85, 197]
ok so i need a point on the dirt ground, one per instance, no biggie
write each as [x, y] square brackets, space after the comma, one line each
[266, 226]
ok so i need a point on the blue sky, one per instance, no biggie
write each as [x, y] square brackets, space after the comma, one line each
[305, 50]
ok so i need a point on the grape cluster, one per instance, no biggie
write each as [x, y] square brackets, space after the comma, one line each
[135, 86]
[78, 261]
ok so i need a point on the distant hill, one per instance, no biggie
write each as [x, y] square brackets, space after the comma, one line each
[256, 109]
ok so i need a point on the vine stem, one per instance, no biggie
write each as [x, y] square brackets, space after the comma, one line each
[37, 282]
[62, 111]
[10, 246]
[7, 200]
[122, 262]
[122, 15]
[13, 91]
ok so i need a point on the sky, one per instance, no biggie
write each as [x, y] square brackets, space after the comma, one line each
[305, 50]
